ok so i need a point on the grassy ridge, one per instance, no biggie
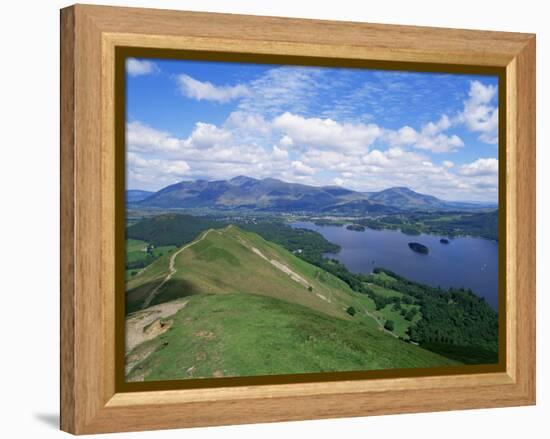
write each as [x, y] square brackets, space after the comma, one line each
[233, 261]
[247, 335]
[255, 308]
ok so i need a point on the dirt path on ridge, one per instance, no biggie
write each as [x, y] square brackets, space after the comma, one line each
[171, 270]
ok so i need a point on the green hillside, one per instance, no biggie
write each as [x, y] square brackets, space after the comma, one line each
[251, 308]
[247, 335]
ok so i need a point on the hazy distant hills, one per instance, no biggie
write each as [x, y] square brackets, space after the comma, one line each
[402, 197]
[276, 195]
[134, 195]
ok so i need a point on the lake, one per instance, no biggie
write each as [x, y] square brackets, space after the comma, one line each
[466, 262]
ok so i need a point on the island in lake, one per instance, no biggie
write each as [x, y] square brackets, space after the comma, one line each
[419, 248]
[355, 227]
[444, 241]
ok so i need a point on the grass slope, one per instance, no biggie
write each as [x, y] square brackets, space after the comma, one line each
[233, 261]
[255, 308]
[250, 335]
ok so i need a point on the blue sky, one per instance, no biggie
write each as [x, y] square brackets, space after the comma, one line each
[362, 129]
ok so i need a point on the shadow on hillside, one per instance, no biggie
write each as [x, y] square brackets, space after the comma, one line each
[171, 290]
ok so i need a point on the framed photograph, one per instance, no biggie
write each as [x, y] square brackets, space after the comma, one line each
[269, 219]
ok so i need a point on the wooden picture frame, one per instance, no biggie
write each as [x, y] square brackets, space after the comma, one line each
[91, 401]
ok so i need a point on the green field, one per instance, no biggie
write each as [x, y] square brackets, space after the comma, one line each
[140, 253]
[255, 308]
[136, 250]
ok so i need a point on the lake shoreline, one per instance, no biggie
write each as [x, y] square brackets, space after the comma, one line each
[466, 262]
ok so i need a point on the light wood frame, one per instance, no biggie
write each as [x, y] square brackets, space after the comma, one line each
[89, 36]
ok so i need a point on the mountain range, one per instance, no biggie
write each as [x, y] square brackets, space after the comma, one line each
[275, 195]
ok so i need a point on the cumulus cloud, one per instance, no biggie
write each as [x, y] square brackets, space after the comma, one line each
[199, 90]
[148, 171]
[323, 159]
[279, 153]
[353, 138]
[136, 67]
[430, 137]
[141, 137]
[247, 122]
[479, 114]
[480, 167]
[206, 135]
[286, 141]
[376, 158]
[433, 128]
[209, 151]
[302, 169]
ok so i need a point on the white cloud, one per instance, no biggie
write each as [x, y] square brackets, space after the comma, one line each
[338, 181]
[136, 67]
[353, 138]
[326, 159]
[279, 153]
[286, 141]
[171, 167]
[448, 164]
[376, 158]
[430, 137]
[301, 169]
[247, 122]
[431, 128]
[395, 159]
[143, 172]
[195, 89]
[206, 135]
[479, 115]
[439, 143]
[480, 167]
[209, 152]
[403, 136]
[140, 137]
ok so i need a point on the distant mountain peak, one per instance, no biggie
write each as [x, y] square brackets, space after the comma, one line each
[399, 189]
[240, 179]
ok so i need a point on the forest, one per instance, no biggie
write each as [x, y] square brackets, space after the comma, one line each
[482, 224]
